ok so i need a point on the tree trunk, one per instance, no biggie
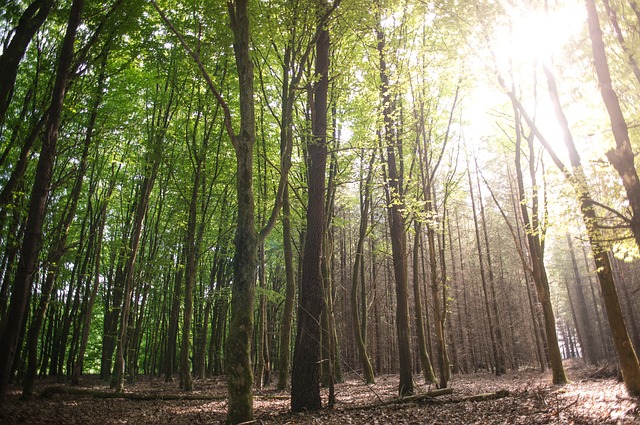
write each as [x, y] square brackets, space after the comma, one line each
[624, 348]
[174, 317]
[358, 333]
[536, 253]
[589, 348]
[495, 350]
[396, 221]
[290, 293]
[425, 361]
[245, 261]
[305, 375]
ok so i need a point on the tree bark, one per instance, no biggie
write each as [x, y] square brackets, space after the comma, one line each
[495, 350]
[589, 348]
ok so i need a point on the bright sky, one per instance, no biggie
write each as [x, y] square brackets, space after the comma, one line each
[532, 36]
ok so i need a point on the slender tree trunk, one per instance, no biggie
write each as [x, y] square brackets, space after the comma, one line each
[494, 344]
[396, 220]
[588, 346]
[262, 319]
[358, 333]
[624, 348]
[536, 253]
[37, 205]
[425, 361]
[86, 327]
[290, 293]
[191, 253]
[500, 360]
[174, 317]
[605, 337]
[59, 247]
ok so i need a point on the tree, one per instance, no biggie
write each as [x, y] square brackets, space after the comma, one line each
[305, 374]
[627, 357]
[392, 146]
[358, 273]
[37, 204]
[535, 231]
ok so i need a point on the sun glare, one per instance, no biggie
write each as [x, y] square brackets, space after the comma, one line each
[526, 35]
[535, 33]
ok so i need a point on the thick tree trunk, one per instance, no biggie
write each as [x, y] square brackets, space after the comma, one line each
[305, 374]
[238, 349]
[37, 205]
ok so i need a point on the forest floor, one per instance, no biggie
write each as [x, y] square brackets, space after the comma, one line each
[592, 397]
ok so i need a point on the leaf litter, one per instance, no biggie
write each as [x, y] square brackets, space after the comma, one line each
[592, 397]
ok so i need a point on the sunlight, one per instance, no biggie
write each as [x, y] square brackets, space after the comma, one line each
[528, 36]
[535, 34]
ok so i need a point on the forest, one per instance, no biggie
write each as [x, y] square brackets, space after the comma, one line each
[272, 210]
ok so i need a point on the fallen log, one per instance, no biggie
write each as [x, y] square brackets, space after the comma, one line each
[59, 389]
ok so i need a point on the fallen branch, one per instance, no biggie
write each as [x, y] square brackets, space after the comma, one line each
[58, 389]
[430, 397]
[407, 399]
[478, 397]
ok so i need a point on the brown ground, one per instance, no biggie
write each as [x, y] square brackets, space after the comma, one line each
[589, 399]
